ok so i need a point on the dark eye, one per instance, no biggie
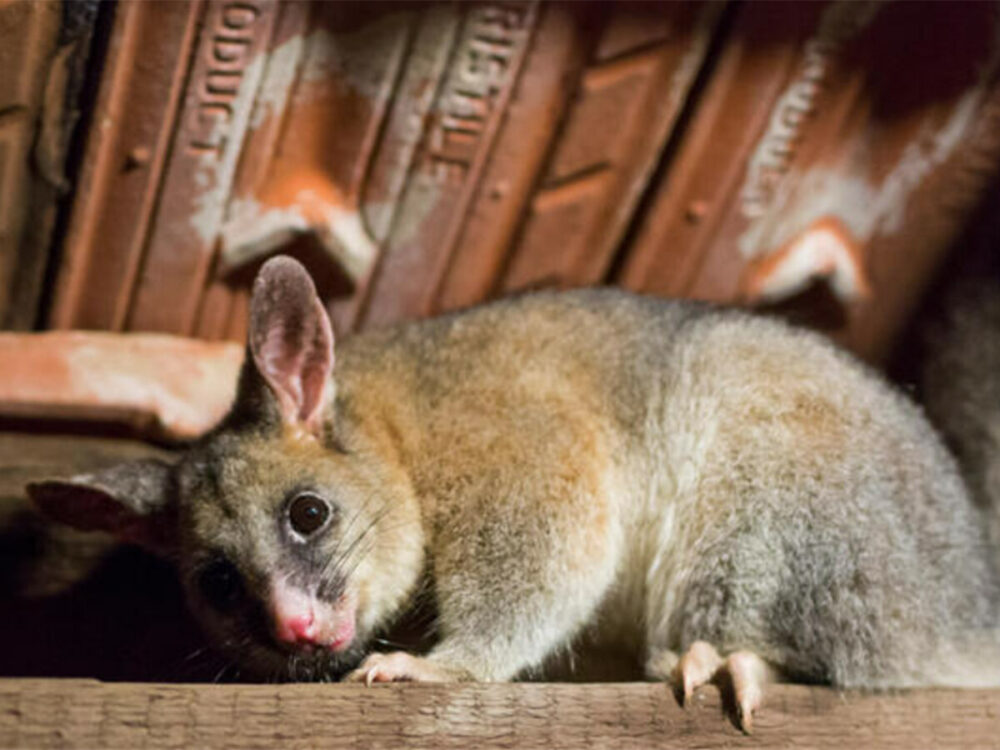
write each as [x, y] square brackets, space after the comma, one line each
[307, 513]
[220, 583]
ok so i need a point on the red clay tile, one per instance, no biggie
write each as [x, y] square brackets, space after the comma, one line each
[171, 387]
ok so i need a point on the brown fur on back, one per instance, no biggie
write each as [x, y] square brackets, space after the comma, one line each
[583, 466]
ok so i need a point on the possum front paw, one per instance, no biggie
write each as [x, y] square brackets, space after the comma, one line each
[400, 666]
[743, 672]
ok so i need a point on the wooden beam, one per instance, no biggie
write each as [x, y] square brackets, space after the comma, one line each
[168, 387]
[86, 713]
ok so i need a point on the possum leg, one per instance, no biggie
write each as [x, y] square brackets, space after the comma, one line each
[697, 666]
[495, 621]
[518, 568]
[400, 666]
[749, 674]
[743, 671]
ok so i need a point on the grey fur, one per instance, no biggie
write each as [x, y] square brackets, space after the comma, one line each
[648, 472]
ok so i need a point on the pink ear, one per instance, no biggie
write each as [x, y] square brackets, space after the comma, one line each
[291, 340]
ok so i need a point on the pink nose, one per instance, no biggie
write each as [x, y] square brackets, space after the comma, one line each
[298, 629]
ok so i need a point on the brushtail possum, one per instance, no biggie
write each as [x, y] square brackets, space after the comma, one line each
[725, 495]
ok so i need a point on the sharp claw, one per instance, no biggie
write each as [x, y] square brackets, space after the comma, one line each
[749, 674]
[688, 689]
[370, 676]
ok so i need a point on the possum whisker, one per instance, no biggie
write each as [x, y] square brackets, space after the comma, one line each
[337, 560]
[394, 644]
[221, 672]
[335, 555]
[196, 653]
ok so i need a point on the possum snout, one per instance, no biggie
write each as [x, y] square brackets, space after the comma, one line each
[301, 618]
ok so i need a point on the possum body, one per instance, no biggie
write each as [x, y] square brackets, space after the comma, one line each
[714, 491]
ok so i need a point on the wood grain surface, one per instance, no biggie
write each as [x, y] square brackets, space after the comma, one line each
[86, 713]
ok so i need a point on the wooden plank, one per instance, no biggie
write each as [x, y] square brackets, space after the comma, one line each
[86, 713]
[25, 457]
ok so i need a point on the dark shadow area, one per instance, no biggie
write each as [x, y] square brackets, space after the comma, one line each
[126, 620]
[975, 255]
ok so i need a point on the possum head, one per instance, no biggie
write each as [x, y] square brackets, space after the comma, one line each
[293, 537]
